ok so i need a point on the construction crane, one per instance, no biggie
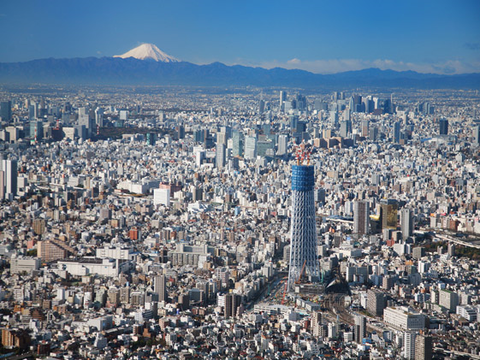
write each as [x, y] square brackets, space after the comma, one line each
[301, 273]
[301, 154]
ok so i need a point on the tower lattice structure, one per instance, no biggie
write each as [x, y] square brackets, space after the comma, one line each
[303, 232]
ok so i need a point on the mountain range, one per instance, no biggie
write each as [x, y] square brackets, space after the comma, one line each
[148, 65]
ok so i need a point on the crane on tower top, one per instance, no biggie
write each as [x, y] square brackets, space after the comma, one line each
[302, 154]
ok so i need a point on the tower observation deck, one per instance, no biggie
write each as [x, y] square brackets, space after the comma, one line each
[303, 232]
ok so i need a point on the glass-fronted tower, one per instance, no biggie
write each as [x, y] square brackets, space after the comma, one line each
[303, 232]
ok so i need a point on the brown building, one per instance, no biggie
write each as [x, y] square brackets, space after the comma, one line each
[39, 226]
[423, 347]
[51, 250]
[18, 338]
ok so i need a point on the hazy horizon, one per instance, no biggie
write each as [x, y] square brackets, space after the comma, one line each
[321, 37]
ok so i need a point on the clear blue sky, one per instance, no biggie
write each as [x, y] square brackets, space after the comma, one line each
[320, 36]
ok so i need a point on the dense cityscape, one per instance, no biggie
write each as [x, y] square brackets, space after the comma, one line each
[170, 223]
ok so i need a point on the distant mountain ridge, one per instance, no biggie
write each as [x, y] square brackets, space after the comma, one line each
[132, 71]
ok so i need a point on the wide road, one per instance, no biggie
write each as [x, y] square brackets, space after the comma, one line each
[272, 285]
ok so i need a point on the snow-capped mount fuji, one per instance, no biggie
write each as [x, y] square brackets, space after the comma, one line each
[148, 52]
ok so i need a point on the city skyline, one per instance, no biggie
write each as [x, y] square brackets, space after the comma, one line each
[320, 37]
[187, 222]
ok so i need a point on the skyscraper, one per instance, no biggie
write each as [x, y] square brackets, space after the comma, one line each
[6, 110]
[220, 156]
[334, 118]
[406, 221]
[365, 128]
[423, 347]
[32, 111]
[373, 133]
[476, 135]
[9, 181]
[409, 345]
[282, 144]
[283, 98]
[160, 287]
[232, 303]
[237, 143]
[443, 126]
[396, 132]
[316, 323]
[36, 130]
[360, 328]
[361, 218]
[86, 117]
[261, 107]
[345, 128]
[388, 213]
[250, 147]
[303, 232]
[375, 302]
[99, 117]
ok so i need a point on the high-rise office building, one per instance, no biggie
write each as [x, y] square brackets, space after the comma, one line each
[282, 144]
[360, 330]
[99, 117]
[388, 213]
[160, 287]
[316, 323]
[301, 102]
[303, 232]
[406, 221]
[365, 128]
[396, 132]
[250, 147]
[6, 110]
[375, 302]
[237, 143]
[151, 138]
[232, 303]
[261, 107]
[220, 156]
[451, 249]
[423, 347]
[476, 135]
[351, 104]
[443, 126]
[319, 195]
[283, 98]
[334, 118]
[368, 105]
[361, 217]
[36, 130]
[409, 345]
[223, 134]
[345, 128]
[266, 148]
[8, 182]
[448, 299]
[32, 111]
[180, 132]
[2, 184]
